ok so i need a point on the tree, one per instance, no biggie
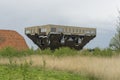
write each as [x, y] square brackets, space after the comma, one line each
[115, 41]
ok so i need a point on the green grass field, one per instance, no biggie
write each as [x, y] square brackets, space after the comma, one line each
[24, 72]
[60, 64]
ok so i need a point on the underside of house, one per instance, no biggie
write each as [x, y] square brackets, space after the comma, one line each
[55, 36]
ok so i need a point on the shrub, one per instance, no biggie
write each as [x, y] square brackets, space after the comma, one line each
[65, 51]
[11, 52]
[8, 51]
[103, 52]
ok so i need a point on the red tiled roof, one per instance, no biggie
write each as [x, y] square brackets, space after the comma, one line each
[9, 38]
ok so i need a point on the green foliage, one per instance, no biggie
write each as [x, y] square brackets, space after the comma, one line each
[100, 52]
[8, 51]
[11, 52]
[25, 72]
[115, 41]
[46, 51]
[63, 51]
[105, 52]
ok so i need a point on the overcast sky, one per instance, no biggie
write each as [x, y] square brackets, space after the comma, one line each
[100, 14]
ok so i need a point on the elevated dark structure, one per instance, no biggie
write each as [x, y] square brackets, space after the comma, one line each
[55, 36]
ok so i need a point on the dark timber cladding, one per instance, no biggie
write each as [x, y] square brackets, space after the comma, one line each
[55, 36]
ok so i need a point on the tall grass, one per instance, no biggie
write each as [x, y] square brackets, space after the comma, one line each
[26, 71]
[103, 68]
[100, 63]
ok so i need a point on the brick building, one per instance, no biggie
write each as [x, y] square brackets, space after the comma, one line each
[10, 38]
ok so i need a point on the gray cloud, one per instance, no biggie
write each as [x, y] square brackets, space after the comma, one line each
[101, 14]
